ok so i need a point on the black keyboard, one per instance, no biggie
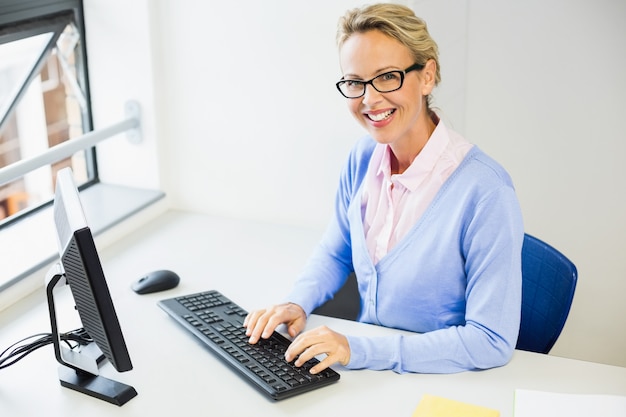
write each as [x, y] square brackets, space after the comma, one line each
[218, 322]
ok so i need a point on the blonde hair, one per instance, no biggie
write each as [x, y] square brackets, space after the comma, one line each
[396, 21]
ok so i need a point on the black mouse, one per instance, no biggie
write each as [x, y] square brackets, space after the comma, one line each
[160, 280]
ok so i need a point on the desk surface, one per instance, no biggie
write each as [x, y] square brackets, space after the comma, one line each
[253, 264]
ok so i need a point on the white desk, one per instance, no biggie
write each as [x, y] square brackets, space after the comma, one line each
[253, 264]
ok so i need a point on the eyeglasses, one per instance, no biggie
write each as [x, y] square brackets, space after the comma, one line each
[383, 83]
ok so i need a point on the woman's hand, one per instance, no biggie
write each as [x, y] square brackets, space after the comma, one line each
[322, 340]
[315, 342]
[262, 323]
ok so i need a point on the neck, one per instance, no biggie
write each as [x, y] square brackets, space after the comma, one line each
[402, 154]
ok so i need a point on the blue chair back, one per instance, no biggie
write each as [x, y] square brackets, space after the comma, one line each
[548, 284]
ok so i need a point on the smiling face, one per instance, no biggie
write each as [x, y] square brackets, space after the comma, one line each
[399, 118]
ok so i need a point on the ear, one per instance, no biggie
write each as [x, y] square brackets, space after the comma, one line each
[428, 77]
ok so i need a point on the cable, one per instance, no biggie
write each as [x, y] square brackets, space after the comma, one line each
[18, 351]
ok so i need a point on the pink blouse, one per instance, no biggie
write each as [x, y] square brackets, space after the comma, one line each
[392, 204]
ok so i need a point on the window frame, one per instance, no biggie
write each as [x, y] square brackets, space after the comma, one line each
[28, 12]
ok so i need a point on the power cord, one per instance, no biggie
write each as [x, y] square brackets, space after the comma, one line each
[20, 349]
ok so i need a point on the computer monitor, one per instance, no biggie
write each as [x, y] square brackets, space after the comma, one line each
[79, 267]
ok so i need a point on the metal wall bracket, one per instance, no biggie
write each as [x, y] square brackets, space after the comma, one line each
[132, 110]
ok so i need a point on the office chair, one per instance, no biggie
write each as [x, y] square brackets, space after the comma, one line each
[346, 303]
[548, 284]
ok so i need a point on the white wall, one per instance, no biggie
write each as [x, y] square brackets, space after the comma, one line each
[255, 126]
[244, 119]
[546, 91]
[120, 69]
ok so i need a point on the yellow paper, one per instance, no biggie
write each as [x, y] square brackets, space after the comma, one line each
[432, 406]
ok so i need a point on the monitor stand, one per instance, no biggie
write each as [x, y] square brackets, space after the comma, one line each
[80, 371]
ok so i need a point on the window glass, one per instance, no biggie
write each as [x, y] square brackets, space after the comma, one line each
[18, 60]
[43, 102]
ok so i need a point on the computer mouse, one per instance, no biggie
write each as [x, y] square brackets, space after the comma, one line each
[155, 281]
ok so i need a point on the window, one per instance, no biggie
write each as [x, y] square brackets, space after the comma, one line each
[44, 98]
[45, 111]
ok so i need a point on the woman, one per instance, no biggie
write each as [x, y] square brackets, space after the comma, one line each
[429, 224]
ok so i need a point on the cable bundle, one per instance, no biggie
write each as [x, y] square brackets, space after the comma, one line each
[20, 349]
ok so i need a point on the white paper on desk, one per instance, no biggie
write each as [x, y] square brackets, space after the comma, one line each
[530, 403]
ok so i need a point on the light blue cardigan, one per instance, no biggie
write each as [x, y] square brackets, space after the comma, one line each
[455, 279]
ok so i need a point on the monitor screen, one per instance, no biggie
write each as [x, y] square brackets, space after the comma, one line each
[81, 269]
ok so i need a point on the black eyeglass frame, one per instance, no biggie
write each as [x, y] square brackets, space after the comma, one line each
[414, 67]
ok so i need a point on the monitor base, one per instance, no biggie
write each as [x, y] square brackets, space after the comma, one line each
[96, 386]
